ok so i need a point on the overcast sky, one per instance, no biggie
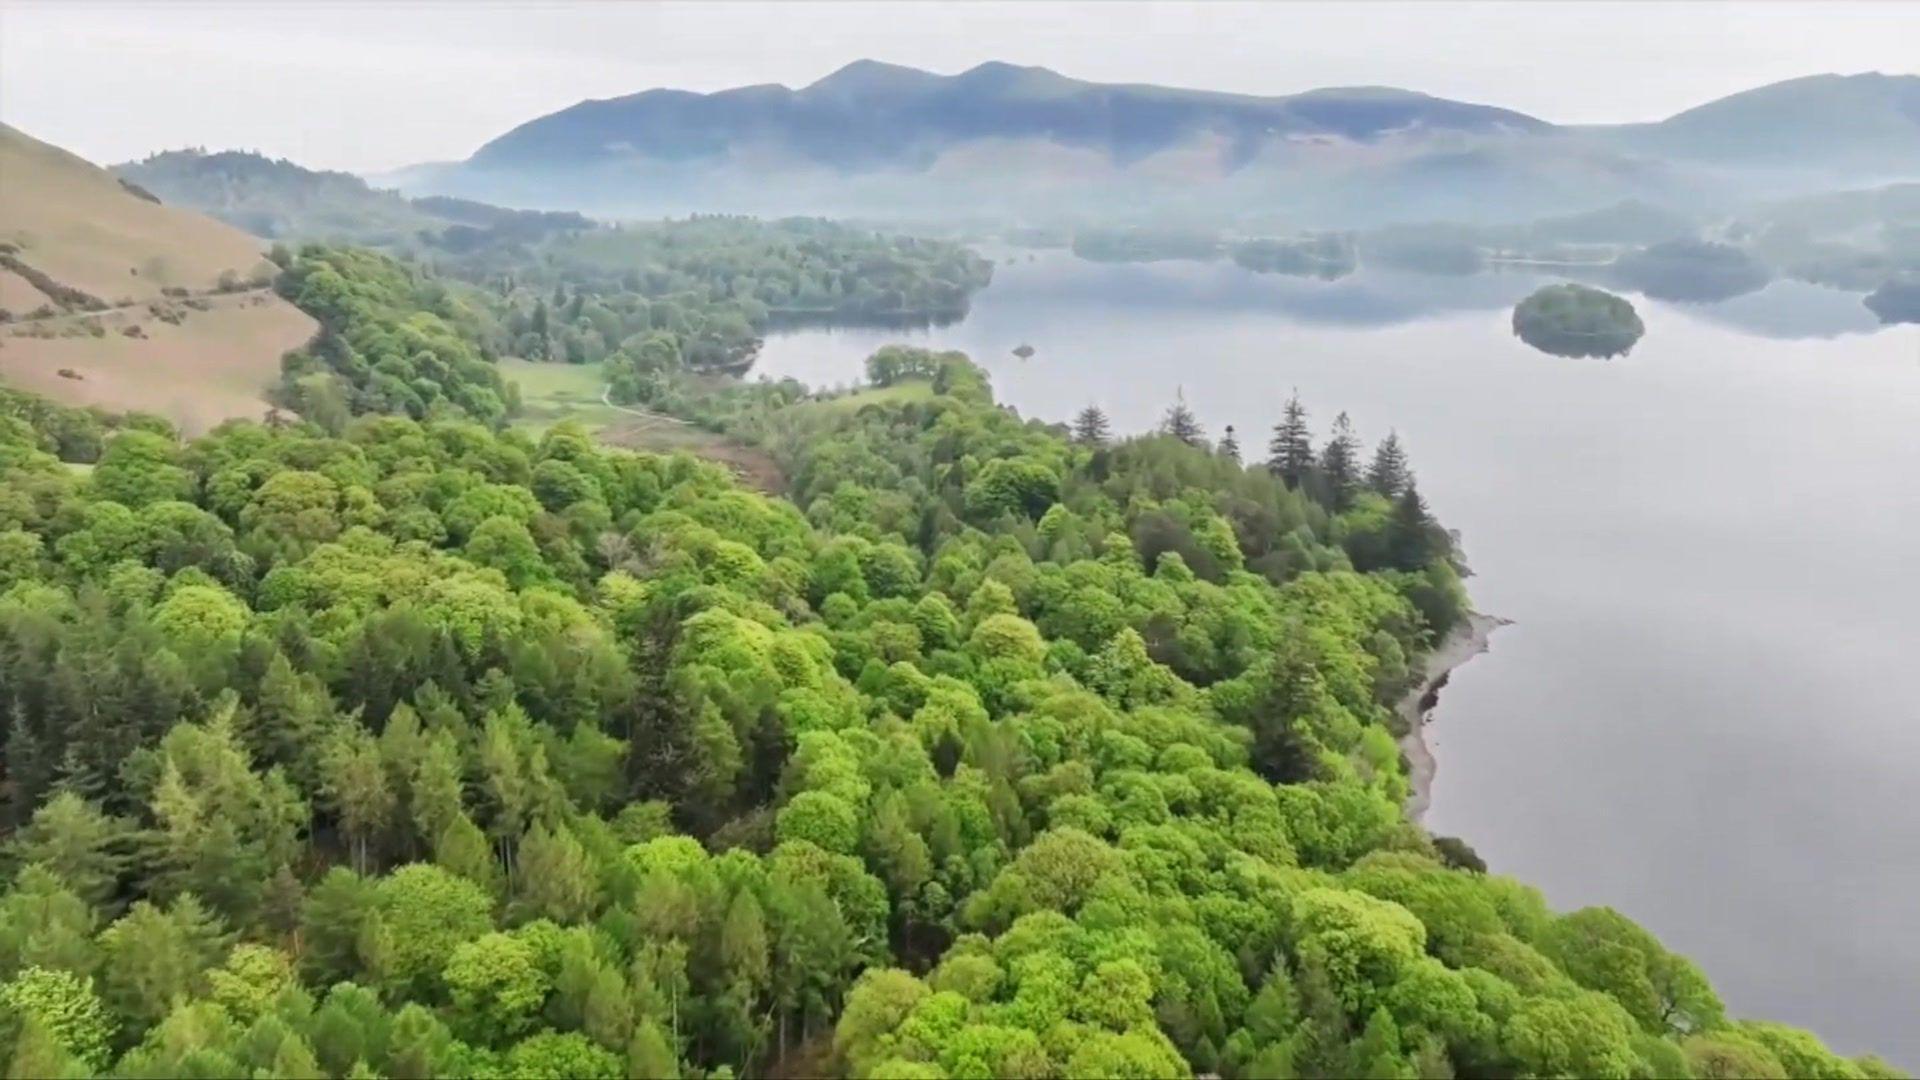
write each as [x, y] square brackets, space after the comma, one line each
[350, 84]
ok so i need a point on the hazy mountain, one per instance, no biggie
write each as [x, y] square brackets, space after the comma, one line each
[873, 115]
[275, 199]
[1867, 125]
[877, 138]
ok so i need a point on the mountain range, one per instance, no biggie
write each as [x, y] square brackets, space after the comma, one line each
[1001, 139]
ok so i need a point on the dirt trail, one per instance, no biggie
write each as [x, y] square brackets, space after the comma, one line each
[663, 434]
[141, 304]
[606, 398]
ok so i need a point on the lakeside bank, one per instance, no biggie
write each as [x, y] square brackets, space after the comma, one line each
[1468, 640]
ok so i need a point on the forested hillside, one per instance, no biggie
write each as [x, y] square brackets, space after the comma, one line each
[404, 744]
[711, 284]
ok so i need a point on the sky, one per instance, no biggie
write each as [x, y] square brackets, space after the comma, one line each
[364, 86]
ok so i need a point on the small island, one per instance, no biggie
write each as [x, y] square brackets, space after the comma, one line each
[1896, 301]
[1577, 320]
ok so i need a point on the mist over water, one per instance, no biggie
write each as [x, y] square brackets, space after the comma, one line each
[1702, 714]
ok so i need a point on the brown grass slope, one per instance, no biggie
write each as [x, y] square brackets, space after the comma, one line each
[77, 224]
[73, 239]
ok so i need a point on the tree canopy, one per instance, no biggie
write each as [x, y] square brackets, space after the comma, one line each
[400, 744]
[1577, 320]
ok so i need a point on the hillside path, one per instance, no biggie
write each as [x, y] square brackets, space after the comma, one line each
[606, 398]
[57, 316]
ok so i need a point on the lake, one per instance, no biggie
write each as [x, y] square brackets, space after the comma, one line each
[1701, 714]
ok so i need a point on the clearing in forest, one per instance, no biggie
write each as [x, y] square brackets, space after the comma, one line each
[553, 393]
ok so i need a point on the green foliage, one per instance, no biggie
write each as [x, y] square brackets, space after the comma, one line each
[497, 985]
[428, 913]
[415, 748]
[1577, 320]
[1602, 950]
[65, 1008]
[392, 340]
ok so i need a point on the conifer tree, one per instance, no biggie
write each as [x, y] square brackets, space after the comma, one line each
[1180, 422]
[1230, 446]
[1090, 427]
[1411, 532]
[1290, 454]
[1340, 464]
[1389, 474]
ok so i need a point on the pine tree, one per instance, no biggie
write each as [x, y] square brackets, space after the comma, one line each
[1389, 474]
[359, 790]
[1180, 421]
[1230, 446]
[1090, 427]
[557, 879]
[1411, 531]
[1290, 454]
[1322, 1044]
[71, 837]
[649, 1055]
[1340, 464]
[1378, 1051]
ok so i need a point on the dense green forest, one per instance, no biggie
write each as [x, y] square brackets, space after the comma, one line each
[700, 292]
[395, 742]
[418, 335]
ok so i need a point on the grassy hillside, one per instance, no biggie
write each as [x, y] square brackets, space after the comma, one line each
[79, 226]
[114, 300]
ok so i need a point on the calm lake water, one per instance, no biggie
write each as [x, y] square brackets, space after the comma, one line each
[1703, 712]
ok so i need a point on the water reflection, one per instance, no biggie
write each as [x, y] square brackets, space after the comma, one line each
[1792, 309]
[1029, 285]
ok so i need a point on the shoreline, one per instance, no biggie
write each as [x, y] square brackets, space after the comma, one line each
[1468, 640]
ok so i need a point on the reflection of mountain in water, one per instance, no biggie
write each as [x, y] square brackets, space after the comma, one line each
[1372, 296]
[788, 321]
[1064, 306]
[1369, 297]
[1790, 309]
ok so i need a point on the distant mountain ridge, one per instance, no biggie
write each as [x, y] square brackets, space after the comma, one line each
[998, 140]
[869, 114]
[1849, 121]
